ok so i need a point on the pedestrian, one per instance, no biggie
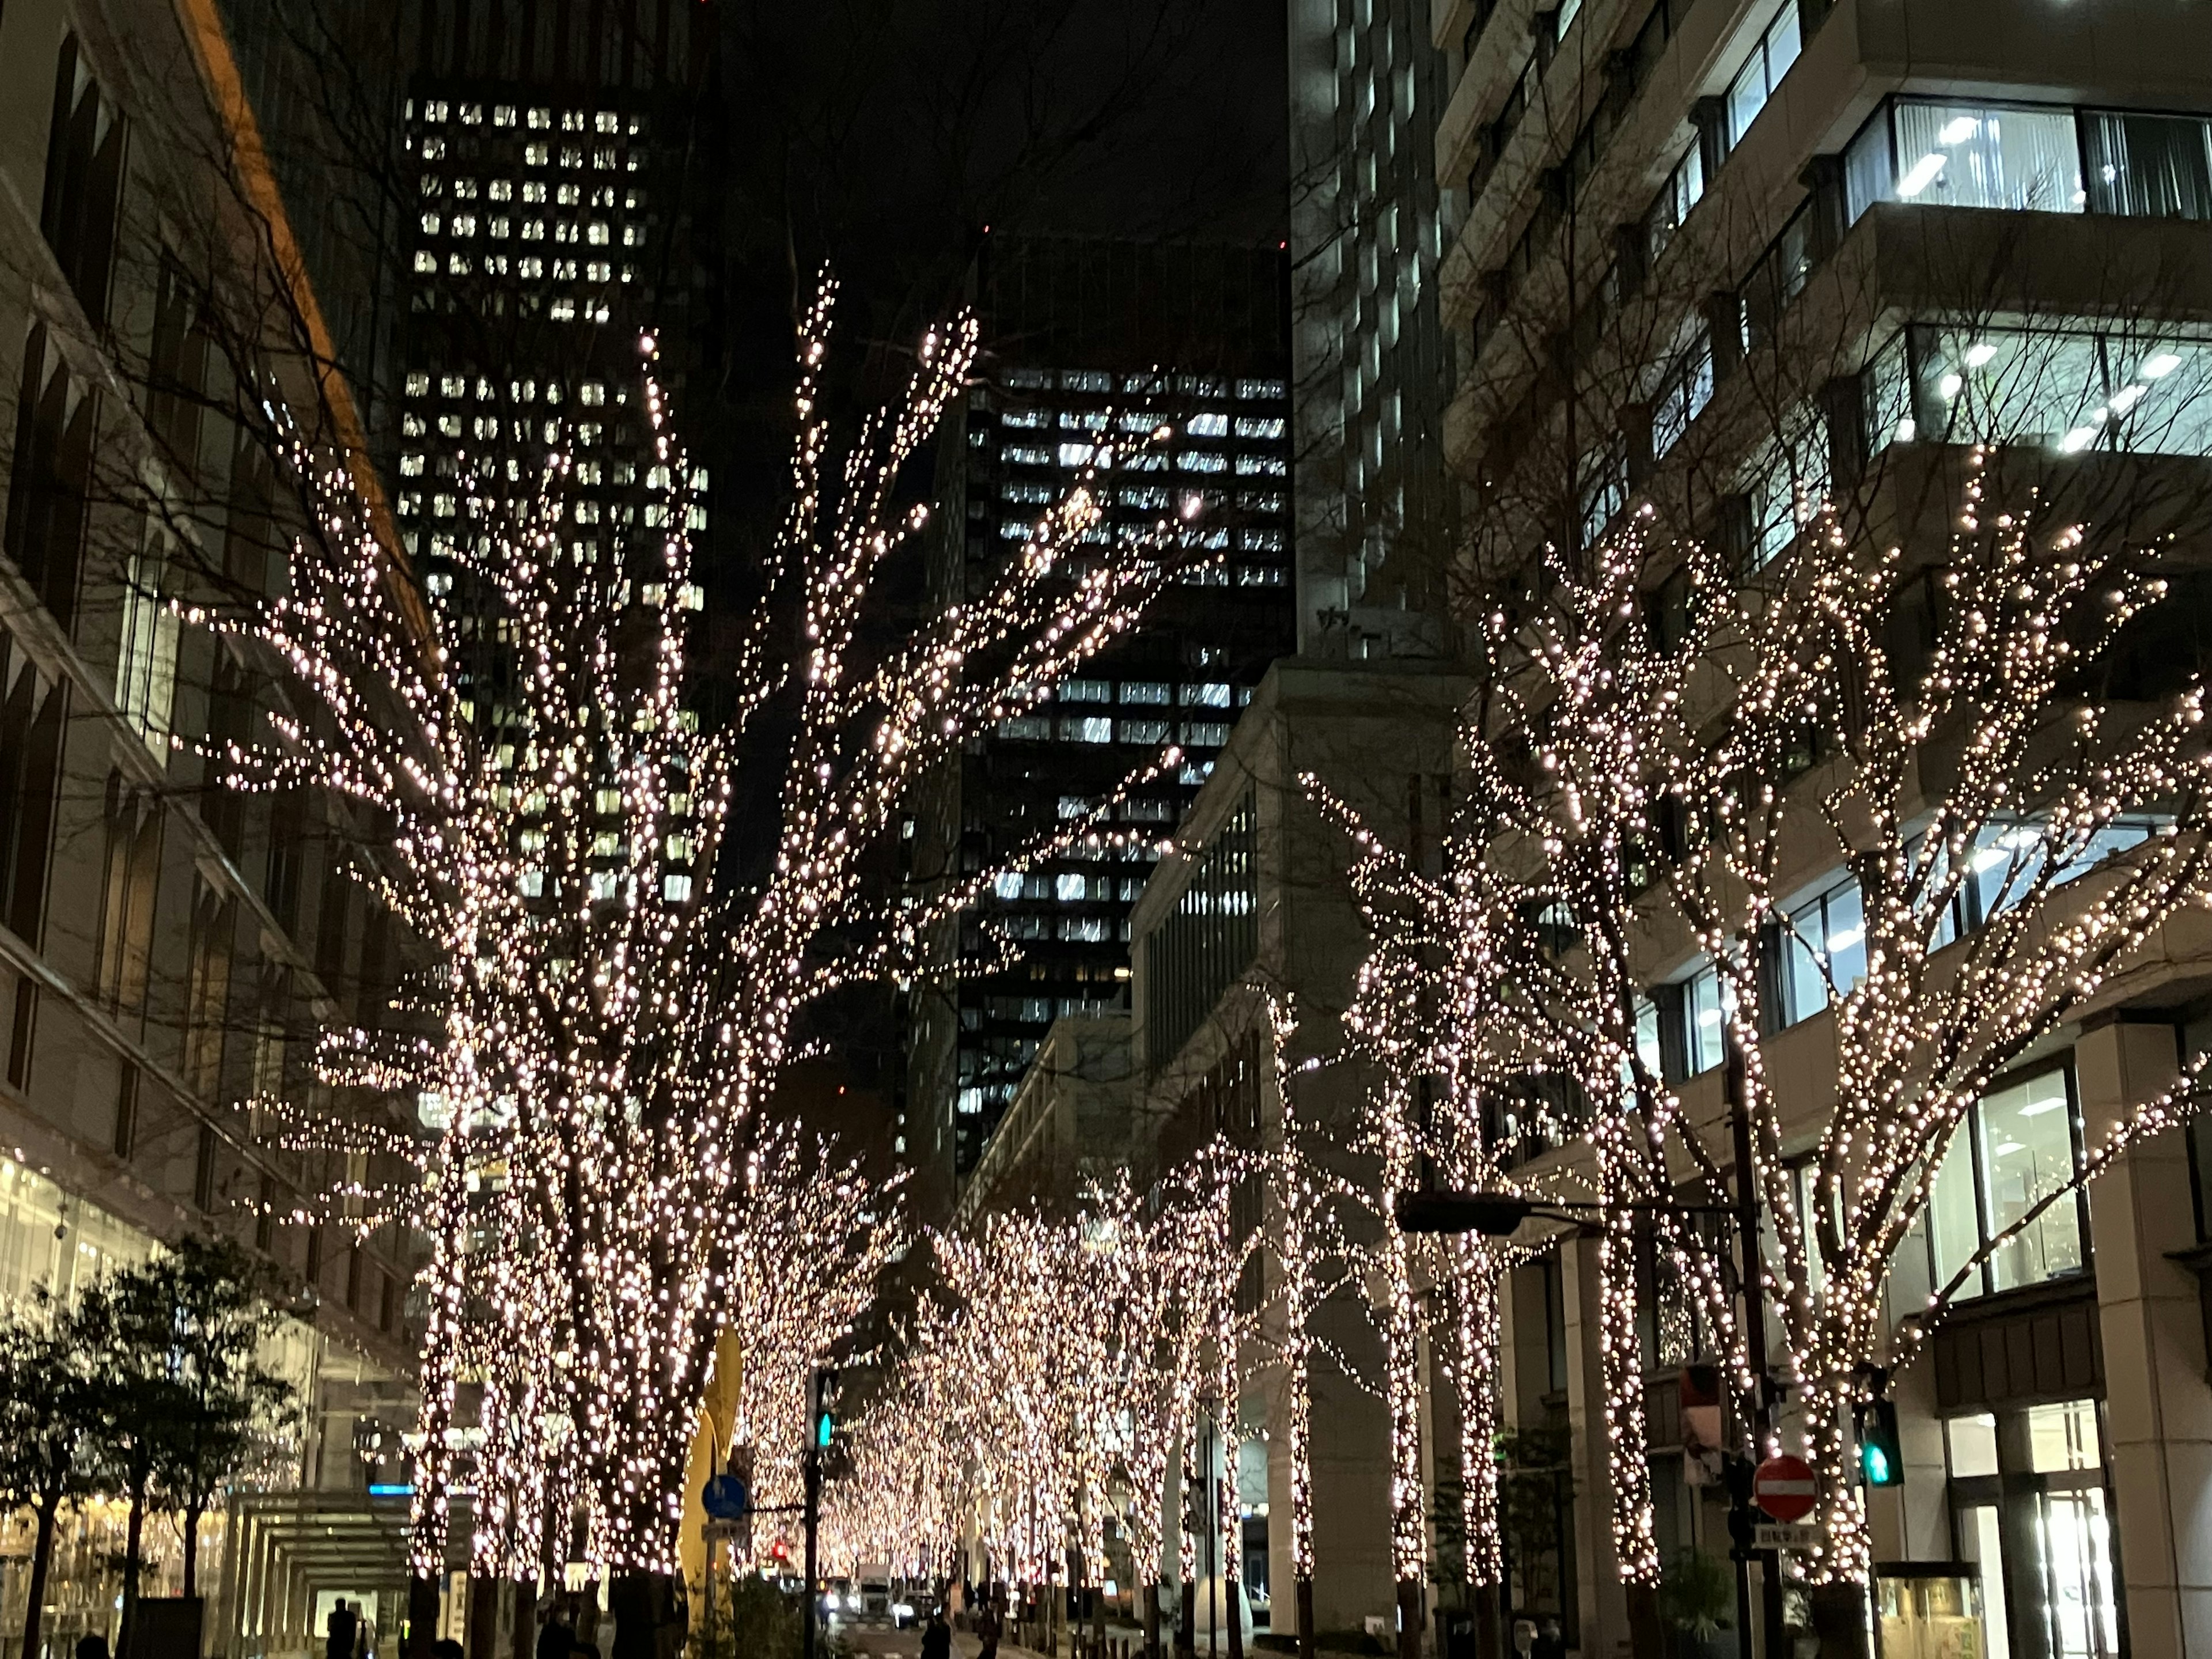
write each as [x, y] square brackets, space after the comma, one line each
[936, 1637]
[558, 1639]
[446, 1648]
[986, 1628]
[94, 1646]
[339, 1630]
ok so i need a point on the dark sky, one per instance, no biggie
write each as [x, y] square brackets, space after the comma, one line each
[885, 134]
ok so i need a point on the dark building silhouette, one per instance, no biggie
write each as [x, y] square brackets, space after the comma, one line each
[1081, 335]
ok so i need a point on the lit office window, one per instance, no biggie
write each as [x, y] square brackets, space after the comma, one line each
[1982, 155]
[2018, 1147]
[1762, 72]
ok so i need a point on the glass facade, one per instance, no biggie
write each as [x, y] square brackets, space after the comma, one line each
[1199, 950]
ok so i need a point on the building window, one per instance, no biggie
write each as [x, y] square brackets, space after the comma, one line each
[1823, 946]
[130, 879]
[1603, 483]
[2070, 390]
[1683, 189]
[51, 477]
[146, 660]
[84, 181]
[1706, 1006]
[2149, 167]
[2031, 1508]
[1687, 388]
[1762, 72]
[1791, 489]
[2016, 1148]
[1981, 155]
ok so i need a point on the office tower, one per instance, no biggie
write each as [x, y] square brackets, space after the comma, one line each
[1720, 261]
[1083, 338]
[544, 150]
[1375, 519]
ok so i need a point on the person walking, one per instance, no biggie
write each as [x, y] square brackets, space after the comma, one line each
[986, 1628]
[338, 1632]
[558, 1639]
[94, 1646]
[936, 1637]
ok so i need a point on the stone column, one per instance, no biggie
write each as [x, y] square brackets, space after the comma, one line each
[2158, 1418]
[1602, 1606]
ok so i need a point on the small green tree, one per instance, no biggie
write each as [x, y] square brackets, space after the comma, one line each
[122, 1325]
[223, 1313]
[172, 1348]
[49, 1411]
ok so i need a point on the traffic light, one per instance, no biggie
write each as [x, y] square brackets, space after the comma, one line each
[823, 1417]
[1880, 1459]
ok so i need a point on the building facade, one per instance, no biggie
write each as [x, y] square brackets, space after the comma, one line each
[171, 945]
[1722, 259]
[1256, 902]
[1372, 368]
[543, 154]
[1081, 338]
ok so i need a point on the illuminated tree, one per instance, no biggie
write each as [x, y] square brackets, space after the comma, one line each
[1638, 783]
[607, 1021]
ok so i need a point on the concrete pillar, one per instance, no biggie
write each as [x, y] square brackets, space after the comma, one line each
[1352, 1577]
[1602, 1606]
[2158, 1420]
[1912, 1521]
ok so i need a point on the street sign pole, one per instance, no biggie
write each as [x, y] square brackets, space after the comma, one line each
[812, 1519]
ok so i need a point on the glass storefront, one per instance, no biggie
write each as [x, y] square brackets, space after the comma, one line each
[2030, 1507]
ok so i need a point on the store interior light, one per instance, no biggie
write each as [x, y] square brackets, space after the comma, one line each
[1922, 174]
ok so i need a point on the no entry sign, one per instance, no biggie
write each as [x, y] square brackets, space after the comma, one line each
[1783, 1487]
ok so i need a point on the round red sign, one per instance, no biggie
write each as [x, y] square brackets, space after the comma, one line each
[1783, 1487]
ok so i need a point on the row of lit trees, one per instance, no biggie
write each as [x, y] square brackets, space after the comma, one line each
[1056, 1374]
[1636, 783]
[609, 1008]
[149, 1387]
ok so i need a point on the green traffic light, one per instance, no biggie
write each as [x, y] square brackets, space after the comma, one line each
[825, 1426]
[1881, 1460]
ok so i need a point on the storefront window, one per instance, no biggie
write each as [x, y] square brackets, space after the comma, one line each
[2019, 1146]
[2031, 1510]
[2073, 1529]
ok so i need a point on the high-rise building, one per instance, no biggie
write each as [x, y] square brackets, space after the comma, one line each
[544, 150]
[1376, 519]
[1084, 338]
